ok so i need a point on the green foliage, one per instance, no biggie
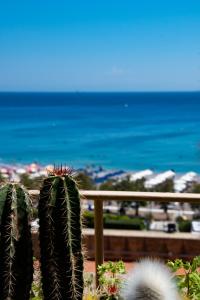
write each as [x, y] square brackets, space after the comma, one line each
[189, 282]
[165, 187]
[2, 178]
[16, 263]
[84, 181]
[60, 239]
[123, 222]
[124, 185]
[108, 185]
[115, 221]
[110, 279]
[88, 218]
[195, 188]
[184, 225]
[89, 286]
[36, 291]
[29, 183]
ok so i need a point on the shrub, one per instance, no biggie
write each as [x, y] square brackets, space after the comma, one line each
[189, 281]
[135, 224]
[88, 219]
[184, 226]
[115, 221]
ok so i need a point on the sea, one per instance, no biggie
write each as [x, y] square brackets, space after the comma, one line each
[128, 131]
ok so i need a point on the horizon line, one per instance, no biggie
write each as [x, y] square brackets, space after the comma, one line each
[98, 92]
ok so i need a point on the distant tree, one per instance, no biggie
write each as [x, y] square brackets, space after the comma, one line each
[165, 187]
[30, 183]
[85, 182]
[195, 188]
[2, 179]
[137, 206]
[128, 185]
[125, 185]
[108, 185]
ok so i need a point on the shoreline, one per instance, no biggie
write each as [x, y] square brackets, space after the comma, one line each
[99, 174]
[96, 168]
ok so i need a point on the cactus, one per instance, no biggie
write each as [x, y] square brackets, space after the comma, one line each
[76, 234]
[16, 256]
[60, 237]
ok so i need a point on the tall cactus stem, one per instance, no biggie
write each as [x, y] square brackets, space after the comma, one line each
[56, 258]
[76, 234]
[16, 256]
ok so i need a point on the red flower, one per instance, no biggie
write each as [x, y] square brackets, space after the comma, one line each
[112, 289]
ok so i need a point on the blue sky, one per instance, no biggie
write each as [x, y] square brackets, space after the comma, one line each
[107, 45]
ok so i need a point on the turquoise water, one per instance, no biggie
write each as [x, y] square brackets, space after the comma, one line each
[131, 131]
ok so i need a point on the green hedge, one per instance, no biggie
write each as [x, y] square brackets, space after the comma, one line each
[129, 224]
[184, 226]
[115, 221]
[88, 219]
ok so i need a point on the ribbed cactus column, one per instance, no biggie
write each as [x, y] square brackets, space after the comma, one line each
[76, 234]
[16, 256]
[60, 238]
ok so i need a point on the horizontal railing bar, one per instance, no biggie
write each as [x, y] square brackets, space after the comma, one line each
[135, 196]
[141, 196]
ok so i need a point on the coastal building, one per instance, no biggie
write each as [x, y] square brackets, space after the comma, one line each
[140, 175]
[182, 183]
[160, 178]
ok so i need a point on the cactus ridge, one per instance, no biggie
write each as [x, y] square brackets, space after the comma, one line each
[47, 236]
[16, 265]
[3, 195]
[76, 234]
[63, 237]
[60, 238]
[56, 265]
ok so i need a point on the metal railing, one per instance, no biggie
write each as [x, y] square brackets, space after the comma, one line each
[100, 196]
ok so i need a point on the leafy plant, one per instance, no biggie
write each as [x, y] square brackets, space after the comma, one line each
[90, 292]
[189, 282]
[36, 291]
[110, 279]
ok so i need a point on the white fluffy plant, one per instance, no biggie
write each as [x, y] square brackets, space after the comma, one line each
[149, 280]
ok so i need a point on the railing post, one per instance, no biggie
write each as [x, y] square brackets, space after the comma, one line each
[99, 247]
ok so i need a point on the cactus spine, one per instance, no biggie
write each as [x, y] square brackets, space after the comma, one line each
[16, 265]
[60, 238]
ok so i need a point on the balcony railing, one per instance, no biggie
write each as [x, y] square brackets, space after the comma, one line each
[100, 196]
